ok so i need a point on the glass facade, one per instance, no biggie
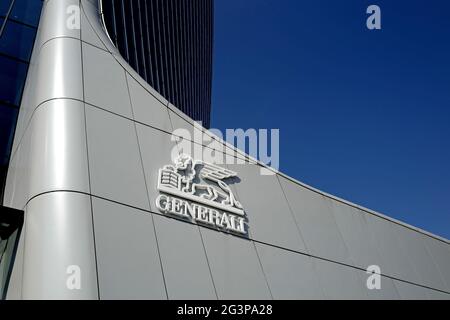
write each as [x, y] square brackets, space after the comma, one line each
[170, 44]
[18, 24]
[11, 222]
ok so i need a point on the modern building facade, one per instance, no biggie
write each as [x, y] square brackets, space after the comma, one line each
[169, 43]
[18, 23]
[116, 207]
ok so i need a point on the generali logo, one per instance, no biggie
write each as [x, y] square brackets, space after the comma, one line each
[196, 190]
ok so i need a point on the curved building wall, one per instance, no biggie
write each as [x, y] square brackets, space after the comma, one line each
[169, 43]
[91, 139]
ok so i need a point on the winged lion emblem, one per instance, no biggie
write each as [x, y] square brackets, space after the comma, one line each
[200, 179]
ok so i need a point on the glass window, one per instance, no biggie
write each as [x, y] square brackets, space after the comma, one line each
[130, 35]
[120, 35]
[4, 6]
[137, 21]
[7, 247]
[27, 11]
[17, 40]
[12, 78]
[3, 172]
[8, 118]
[11, 222]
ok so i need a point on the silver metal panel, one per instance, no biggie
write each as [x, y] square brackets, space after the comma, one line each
[127, 255]
[92, 14]
[156, 150]
[36, 72]
[340, 282]
[394, 261]
[438, 295]
[409, 291]
[269, 216]
[212, 153]
[131, 72]
[440, 253]
[290, 275]
[87, 32]
[315, 219]
[15, 193]
[59, 71]
[114, 160]
[235, 267]
[413, 243]
[58, 158]
[184, 126]
[54, 72]
[185, 123]
[104, 81]
[388, 290]
[146, 108]
[17, 181]
[57, 20]
[184, 261]
[59, 234]
[209, 151]
[354, 230]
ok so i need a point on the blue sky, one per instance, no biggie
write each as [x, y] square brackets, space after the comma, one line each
[364, 115]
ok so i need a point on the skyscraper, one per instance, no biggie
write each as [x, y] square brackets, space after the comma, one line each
[112, 203]
[169, 43]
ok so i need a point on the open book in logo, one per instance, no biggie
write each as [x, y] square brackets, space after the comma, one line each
[201, 182]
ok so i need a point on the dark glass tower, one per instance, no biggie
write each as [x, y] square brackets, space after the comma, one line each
[169, 43]
[18, 24]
